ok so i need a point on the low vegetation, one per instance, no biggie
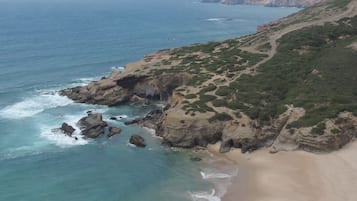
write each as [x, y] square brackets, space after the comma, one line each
[313, 68]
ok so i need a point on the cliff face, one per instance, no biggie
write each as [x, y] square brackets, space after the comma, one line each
[278, 3]
[289, 86]
[132, 85]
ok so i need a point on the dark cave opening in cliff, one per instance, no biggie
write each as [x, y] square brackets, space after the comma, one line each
[155, 97]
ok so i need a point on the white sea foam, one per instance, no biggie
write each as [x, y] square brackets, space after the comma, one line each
[87, 80]
[214, 175]
[118, 68]
[123, 116]
[79, 82]
[60, 139]
[215, 19]
[205, 196]
[34, 105]
[161, 105]
[151, 131]
[57, 137]
[220, 174]
[130, 145]
[102, 110]
[120, 117]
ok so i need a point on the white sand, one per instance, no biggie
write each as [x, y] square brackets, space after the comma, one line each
[293, 176]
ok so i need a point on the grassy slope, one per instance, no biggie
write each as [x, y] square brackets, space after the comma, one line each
[313, 68]
[289, 77]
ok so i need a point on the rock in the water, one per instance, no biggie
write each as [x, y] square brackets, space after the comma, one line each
[196, 159]
[113, 118]
[67, 129]
[137, 140]
[113, 131]
[92, 126]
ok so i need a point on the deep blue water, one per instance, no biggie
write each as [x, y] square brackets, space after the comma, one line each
[47, 45]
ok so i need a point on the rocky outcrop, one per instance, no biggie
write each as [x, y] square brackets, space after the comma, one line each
[200, 116]
[323, 143]
[113, 131]
[92, 126]
[334, 134]
[102, 92]
[120, 88]
[249, 135]
[67, 129]
[181, 130]
[274, 3]
[137, 140]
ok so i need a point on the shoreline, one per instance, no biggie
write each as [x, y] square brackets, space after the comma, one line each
[293, 176]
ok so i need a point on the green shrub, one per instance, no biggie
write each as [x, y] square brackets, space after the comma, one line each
[335, 131]
[221, 117]
[191, 96]
[206, 98]
[319, 129]
[224, 91]
[287, 78]
[219, 103]
[210, 87]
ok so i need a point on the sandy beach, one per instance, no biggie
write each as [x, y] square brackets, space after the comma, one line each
[293, 176]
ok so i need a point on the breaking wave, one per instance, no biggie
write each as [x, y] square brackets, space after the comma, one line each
[34, 105]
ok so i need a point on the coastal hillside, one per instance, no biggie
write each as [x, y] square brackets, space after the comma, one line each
[292, 85]
[282, 3]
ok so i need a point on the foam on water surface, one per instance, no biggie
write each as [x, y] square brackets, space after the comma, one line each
[214, 175]
[57, 137]
[117, 68]
[205, 196]
[34, 105]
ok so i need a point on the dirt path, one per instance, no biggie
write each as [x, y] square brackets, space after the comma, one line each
[351, 11]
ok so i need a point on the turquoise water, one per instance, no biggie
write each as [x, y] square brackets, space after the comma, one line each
[47, 45]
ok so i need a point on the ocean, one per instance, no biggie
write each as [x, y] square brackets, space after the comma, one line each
[48, 45]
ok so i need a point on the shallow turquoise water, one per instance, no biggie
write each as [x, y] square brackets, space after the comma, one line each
[50, 45]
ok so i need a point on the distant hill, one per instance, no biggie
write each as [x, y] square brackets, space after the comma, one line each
[282, 3]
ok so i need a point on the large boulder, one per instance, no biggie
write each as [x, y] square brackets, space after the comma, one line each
[92, 126]
[137, 140]
[67, 129]
[180, 129]
[113, 131]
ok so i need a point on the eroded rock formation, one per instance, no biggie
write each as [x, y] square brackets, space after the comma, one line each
[92, 126]
[118, 88]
